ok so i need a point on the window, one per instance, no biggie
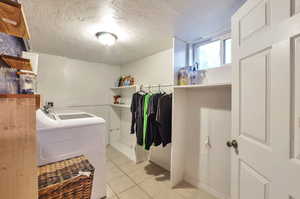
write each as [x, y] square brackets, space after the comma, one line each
[213, 54]
[209, 55]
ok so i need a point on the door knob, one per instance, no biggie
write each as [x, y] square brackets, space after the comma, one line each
[233, 144]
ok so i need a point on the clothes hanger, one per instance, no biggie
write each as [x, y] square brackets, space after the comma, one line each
[141, 91]
[149, 89]
[161, 90]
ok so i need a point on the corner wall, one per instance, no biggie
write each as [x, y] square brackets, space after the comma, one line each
[77, 85]
[154, 69]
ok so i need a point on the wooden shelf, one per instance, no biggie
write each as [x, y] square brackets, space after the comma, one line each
[16, 62]
[121, 105]
[26, 73]
[22, 96]
[124, 87]
[226, 84]
[17, 96]
[12, 19]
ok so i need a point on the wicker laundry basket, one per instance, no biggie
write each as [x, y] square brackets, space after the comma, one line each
[67, 179]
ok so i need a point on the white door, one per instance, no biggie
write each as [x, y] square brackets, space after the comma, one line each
[266, 100]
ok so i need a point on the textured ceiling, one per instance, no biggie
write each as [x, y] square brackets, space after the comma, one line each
[68, 27]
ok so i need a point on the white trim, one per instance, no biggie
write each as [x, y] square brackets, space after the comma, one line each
[222, 38]
[127, 106]
[205, 187]
[124, 87]
[225, 84]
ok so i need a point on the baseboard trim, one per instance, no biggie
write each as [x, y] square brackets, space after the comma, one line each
[205, 187]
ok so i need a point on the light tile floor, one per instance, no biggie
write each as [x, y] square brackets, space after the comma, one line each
[127, 180]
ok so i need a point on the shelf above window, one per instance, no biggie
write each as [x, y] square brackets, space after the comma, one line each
[124, 87]
[226, 84]
[127, 106]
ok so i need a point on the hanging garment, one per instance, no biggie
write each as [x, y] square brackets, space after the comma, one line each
[164, 118]
[145, 125]
[137, 111]
[153, 136]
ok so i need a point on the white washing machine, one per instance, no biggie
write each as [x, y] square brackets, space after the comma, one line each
[65, 135]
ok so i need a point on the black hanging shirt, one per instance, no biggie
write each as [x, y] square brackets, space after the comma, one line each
[153, 136]
[137, 110]
[164, 118]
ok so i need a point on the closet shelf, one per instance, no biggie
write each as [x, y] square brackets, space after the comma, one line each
[121, 105]
[124, 87]
[12, 19]
[226, 84]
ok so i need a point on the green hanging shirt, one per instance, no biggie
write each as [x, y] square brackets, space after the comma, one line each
[146, 106]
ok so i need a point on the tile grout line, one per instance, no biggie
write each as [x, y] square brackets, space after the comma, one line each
[137, 185]
[117, 194]
[107, 156]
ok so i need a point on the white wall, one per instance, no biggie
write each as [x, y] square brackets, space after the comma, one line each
[209, 113]
[75, 84]
[153, 70]
[201, 128]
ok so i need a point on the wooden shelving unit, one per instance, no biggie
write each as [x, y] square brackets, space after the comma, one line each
[18, 150]
[12, 19]
[13, 22]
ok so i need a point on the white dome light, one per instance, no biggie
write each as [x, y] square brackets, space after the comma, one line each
[106, 38]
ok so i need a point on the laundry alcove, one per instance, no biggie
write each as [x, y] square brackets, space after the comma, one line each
[201, 122]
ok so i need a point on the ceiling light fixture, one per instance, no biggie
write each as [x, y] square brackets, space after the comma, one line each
[106, 38]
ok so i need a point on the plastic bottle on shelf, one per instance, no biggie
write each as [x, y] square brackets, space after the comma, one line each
[183, 76]
[194, 74]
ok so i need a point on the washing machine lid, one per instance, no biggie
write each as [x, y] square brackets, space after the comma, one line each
[74, 116]
[66, 120]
